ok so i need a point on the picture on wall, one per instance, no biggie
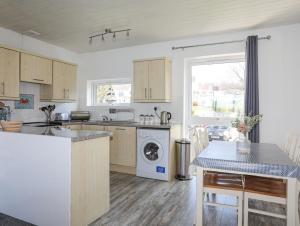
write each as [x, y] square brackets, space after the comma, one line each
[26, 102]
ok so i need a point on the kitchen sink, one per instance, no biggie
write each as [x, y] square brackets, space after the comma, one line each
[41, 124]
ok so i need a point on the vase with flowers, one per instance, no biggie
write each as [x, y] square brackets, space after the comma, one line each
[244, 125]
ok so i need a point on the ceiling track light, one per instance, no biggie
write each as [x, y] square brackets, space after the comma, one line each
[109, 31]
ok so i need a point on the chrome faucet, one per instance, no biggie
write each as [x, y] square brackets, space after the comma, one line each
[104, 117]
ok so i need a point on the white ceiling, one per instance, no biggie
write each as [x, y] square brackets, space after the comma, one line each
[68, 23]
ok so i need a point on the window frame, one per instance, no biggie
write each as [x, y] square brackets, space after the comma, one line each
[92, 87]
[230, 58]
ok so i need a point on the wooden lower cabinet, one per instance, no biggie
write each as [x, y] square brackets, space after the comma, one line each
[123, 146]
[74, 127]
[89, 180]
[93, 127]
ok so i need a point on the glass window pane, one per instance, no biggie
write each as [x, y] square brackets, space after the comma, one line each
[218, 89]
[112, 93]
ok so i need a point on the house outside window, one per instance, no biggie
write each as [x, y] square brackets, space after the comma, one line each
[112, 92]
[216, 91]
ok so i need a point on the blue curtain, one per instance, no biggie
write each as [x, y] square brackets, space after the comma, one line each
[251, 92]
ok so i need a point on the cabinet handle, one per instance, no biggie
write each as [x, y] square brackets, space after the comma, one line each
[150, 93]
[64, 93]
[145, 93]
[120, 129]
[68, 93]
[39, 80]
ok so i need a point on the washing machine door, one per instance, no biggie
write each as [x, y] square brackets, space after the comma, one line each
[152, 151]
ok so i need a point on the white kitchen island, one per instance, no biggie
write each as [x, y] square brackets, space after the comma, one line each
[54, 176]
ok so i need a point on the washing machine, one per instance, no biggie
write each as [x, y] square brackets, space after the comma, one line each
[153, 153]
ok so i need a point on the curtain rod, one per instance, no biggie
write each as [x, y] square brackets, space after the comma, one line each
[268, 37]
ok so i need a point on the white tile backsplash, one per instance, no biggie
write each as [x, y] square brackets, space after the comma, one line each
[33, 115]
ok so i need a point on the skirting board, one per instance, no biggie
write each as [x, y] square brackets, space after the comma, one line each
[123, 169]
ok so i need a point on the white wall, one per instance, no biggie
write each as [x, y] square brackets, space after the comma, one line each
[15, 40]
[278, 74]
[25, 192]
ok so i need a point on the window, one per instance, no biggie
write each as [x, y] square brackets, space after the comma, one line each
[109, 92]
[218, 88]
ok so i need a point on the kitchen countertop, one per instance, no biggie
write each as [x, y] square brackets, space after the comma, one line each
[125, 124]
[74, 135]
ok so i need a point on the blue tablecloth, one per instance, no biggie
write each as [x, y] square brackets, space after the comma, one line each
[266, 159]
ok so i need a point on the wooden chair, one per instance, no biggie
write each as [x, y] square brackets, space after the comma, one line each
[199, 141]
[297, 161]
[225, 184]
[290, 144]
[261, 188]
[296, 156]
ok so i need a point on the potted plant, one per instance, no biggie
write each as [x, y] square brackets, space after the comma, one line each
[244, 125]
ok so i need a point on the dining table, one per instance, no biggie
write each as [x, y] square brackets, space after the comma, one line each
[263, 159]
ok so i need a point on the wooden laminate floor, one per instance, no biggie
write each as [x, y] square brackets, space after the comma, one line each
[137, 201]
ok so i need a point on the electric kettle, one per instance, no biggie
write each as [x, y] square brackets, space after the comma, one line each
[165, 117]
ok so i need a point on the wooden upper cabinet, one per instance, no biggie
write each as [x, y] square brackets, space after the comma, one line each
[140, 81]
[152, 80]
[9, 74]
[71, 83]
[59, 81]
[35, 69]
[64, 84]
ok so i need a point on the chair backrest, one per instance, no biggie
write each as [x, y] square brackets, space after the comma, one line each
[292, 146]
[296, 158]
[199, 138]
[203, 136]
[287, 144]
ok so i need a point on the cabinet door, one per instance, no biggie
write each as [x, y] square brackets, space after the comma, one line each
[74, 127]
[113, 149]
[71, 81]
[59, 81]
[35, 69]
[93, 127]
[140, 81]
[44, 70]
[28, 68]
[123, 146]
[157, 80]
[9, 73]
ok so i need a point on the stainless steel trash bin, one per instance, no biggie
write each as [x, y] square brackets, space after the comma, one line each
[183, 150]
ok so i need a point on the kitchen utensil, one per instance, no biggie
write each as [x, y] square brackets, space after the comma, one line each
[165, 117]
[48, 111]
[80, 115]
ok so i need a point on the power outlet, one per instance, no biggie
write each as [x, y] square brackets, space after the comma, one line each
[156, 108]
